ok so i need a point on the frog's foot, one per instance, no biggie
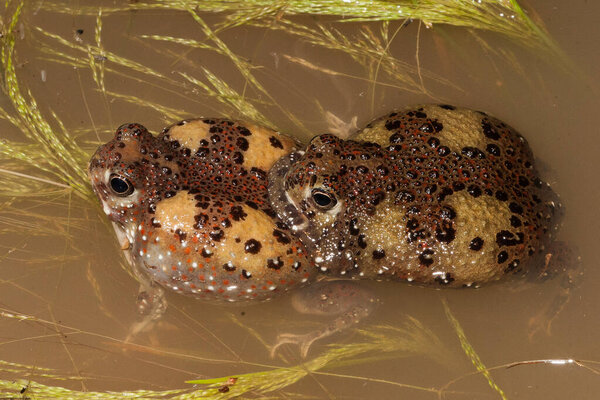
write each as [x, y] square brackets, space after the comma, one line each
[345, 300]
[151, 302]
[151, 305]
[303, 341]
[560, 260]
[339, 127]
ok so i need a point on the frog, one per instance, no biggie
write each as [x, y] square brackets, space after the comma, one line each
[435, 195]
[190, 209]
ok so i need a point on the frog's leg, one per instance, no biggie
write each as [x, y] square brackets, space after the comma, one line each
[151, 303]
[345, 300]
[560, 260]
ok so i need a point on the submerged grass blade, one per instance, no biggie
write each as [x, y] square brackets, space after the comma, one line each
[380, 342]
[470, 351]
[169, 114]
[505, 17]
[57, 155]
[409, 339]
[240, 107]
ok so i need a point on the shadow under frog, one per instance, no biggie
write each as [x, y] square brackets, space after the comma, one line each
[431, 195]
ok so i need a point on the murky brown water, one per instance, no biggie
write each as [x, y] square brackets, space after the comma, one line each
[74, 284]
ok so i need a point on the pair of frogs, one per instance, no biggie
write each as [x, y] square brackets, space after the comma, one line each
[230, 211]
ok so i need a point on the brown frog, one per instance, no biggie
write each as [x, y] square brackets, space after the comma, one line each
[431, 194]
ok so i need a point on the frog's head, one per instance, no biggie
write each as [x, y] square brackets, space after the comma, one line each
[307, 193]
[128, 172]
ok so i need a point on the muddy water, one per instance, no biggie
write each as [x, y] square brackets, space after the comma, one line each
[72, 279]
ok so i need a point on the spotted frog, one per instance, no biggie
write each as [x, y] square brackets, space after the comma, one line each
[432, 194]
[190, 208]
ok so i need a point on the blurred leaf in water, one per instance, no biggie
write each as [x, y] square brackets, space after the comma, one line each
[506, 17]
[369, 49]
[470, 351]
[379, 342]
[226, 95]
[55, 155]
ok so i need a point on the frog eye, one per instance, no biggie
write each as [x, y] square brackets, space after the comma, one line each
[120, 185]
[323, 199]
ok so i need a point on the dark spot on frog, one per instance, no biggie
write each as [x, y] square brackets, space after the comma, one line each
[396, 138]
[501, 195]
[238, 158]
[515, 208]
[242, 143]
[474, 191]
[181, 236]
[281, 237]
[515, 222]
[426, 257]
[405, 197]
[447, 212]
[201, 220]
[433, 142]
[229, 267]
[392, 125]
[444, 279]
[524, 182]
[378, 254]
[445, 234]
[244, 131]
[274, 263]
[488, 130]
[506, 238]
[217, 234]
[362, 243]
[237, 213]
[502, 257]
[443, 151]
[275, 142]
[472, 152]
[353, 228]
[493, 149]
[258, 173]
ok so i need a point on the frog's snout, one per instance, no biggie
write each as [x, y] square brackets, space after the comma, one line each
[279, 197]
